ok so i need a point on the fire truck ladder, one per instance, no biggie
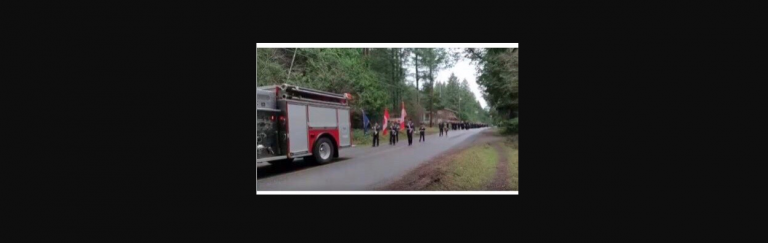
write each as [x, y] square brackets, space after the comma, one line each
[311, 95]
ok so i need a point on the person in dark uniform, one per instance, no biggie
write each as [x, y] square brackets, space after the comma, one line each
[397, 133]
[391, 135]
[440, 126]
[409, 131]
[446, 128]
[421, 133]
[376, 134]
[396, 129]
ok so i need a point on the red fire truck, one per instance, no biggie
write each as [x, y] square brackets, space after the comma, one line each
[293, 122]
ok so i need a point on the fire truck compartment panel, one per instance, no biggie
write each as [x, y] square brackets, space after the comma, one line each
[322, 117]
[297, 133]
[344, 128]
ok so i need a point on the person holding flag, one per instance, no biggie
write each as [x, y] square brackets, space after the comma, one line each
[376, 134]
[410, 132]
[386, 118]
[402, 116]
[393, 135]
[396, 132]
[386, 128]
[401, 126]
[375, 127]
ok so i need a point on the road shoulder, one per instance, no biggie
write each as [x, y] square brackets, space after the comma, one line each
[431, 174]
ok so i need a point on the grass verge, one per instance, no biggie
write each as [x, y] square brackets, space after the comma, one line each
[360, 139]
[470, 170]
[512, 156]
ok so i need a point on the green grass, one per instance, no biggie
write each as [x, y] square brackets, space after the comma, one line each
[430, 130]
[471, 170]
[512, 156]
[360, 139]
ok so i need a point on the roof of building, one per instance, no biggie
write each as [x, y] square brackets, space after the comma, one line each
[450, 110]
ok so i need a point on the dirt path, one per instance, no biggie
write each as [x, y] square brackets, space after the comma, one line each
[499, 182]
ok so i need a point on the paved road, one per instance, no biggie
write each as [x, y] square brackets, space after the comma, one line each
[360, 168]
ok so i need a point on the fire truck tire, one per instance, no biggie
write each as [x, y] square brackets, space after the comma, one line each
[322, 152]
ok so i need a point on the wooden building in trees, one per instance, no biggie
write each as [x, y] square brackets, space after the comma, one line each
[444, 115]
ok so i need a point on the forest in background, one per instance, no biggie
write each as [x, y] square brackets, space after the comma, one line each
[498, 79]
[386, 77]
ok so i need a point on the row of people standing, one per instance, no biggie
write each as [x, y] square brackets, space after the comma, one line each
[444, 127]
[461, 125]
[394, 131]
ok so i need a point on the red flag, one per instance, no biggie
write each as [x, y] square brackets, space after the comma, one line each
[402, 117]
[386, 118]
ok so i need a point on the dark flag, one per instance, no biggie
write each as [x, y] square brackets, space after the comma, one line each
[365, 122]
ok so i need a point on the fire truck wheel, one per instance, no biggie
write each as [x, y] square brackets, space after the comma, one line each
[323, 151]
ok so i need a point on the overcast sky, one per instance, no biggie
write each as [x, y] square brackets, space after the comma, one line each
[464, 70]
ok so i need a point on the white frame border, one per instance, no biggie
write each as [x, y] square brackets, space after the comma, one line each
[386, 192]
[384, 45]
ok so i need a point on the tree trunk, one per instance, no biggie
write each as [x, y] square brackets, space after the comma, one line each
[431, 96]
[392, 63]
[292, 59]
[400, 89]
[417, 78]
[397, 75]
